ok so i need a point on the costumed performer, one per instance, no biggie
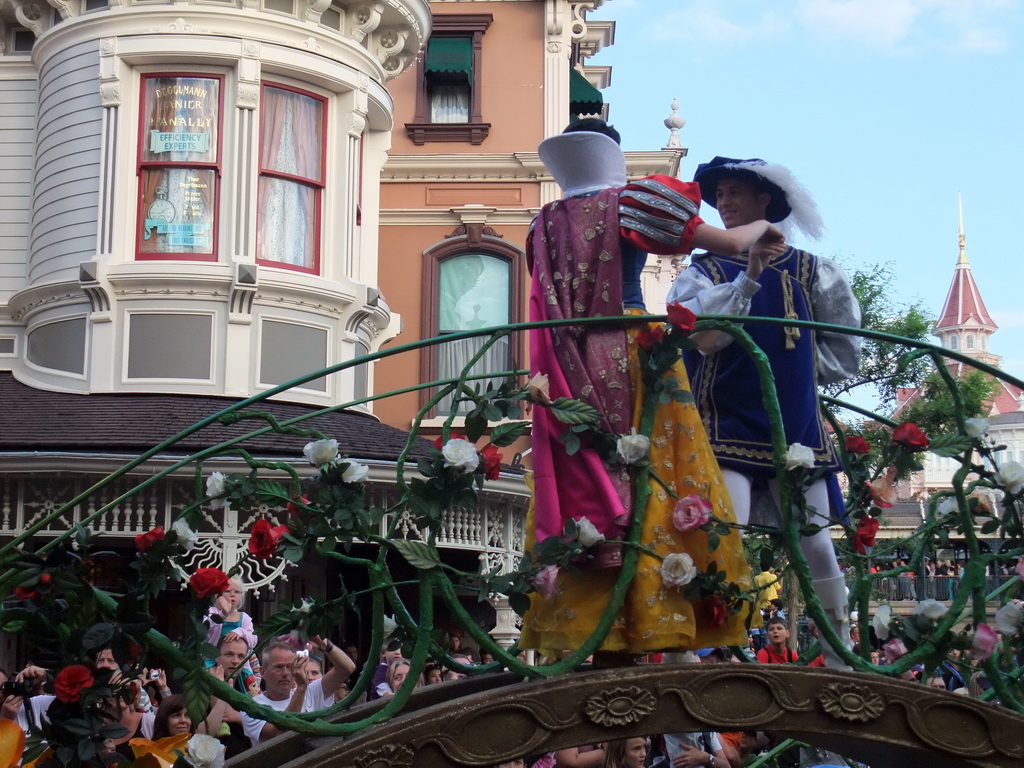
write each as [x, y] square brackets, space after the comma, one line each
[586, 252]
[795, 285]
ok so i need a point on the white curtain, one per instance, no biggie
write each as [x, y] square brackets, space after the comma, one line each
[449, 103]
[474, 293]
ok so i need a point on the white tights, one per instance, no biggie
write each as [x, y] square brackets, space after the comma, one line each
[821, 556]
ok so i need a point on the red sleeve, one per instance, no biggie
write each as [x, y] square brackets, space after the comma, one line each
[658, 214]
[818, 662]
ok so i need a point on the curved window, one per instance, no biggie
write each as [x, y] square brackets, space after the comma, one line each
[954, 342]
[969, 342]
[474, 292]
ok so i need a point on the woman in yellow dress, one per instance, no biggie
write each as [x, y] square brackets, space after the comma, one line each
[586, 253]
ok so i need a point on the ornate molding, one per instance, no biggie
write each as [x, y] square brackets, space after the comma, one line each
[489, 720]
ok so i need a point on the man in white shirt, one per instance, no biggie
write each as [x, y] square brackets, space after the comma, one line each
[287, 688]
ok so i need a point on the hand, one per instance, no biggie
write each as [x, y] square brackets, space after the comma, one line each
[11, 707]
[690, 758]
[161, 680]
[230, 637]
[299, 671]
[217, 671]
[223, 604]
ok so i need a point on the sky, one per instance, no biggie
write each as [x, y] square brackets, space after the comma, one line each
[884, 109]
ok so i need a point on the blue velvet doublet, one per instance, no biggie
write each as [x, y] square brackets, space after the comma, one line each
[726, 386]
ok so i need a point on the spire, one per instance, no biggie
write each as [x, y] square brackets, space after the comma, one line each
[964, 309]
[674, 123]
[963, 249]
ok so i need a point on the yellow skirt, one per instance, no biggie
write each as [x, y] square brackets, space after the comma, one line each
[654, 617]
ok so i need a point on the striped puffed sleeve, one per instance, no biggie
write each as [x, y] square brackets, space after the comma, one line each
[658, 214]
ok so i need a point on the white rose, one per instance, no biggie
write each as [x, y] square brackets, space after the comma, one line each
[1011, 475]
[947, 505]
[1010, 617]
[799, 456]
[632, 448]
[216, 486]
[881, 620]
[539, 389]
[587, 533]
[306, 605]
[461, 455]
[187, 538]
[355, 472]
[931, 609]
[678, 570]
[390, 625]
[320, 452]
[205, 751]
[976, 427]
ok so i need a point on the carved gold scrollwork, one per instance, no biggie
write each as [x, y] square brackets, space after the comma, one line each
[744, 697]
[620, 706]
[516, 728]
[956, 727]
[846, 701]
[388, 756]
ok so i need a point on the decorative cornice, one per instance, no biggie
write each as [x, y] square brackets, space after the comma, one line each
[516, 166]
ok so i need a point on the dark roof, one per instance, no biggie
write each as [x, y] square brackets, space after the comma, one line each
[39, 420]
[903, 514]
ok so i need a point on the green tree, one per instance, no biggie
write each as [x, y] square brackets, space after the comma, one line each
[933, 410]
[880, 369]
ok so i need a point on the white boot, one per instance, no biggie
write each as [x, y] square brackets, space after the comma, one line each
[834, 597]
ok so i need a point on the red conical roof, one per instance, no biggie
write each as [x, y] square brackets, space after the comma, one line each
[964, 305]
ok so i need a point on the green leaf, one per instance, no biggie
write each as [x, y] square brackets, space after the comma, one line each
[421, 556]
[990, 526]
[519, 603]
[507, 433]
[475, 425]
[569, 411]
[98, 636]
[949, 445]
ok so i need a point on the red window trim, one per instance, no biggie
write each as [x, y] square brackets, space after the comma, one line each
[318, 186]
[141, 166]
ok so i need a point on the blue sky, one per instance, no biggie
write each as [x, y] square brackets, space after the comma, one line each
[885, 109]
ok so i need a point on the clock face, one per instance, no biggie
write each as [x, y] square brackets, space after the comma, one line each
[162, 210]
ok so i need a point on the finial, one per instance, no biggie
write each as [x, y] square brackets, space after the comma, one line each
[674, 122]
[963, 250]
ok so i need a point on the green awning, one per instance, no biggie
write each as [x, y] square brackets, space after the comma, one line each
[450, 56]
[584, 99]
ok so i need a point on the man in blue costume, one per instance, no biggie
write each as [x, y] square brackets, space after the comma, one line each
[795, 285]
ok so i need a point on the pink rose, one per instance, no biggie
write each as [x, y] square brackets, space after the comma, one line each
[545, 580]
[984, 643]
[691, 512]
[894, 649]
[1020, 568]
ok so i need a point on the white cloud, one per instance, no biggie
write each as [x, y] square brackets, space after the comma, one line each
[708, 24]
[966, 25]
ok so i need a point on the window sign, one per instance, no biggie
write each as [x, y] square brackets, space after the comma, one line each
[178, 170]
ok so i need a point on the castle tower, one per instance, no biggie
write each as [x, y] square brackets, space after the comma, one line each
[965, 324]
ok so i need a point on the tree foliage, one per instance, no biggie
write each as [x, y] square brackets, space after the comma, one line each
[881, 368]
[933, 410]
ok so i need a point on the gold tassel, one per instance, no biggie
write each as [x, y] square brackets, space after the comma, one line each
[792, 334]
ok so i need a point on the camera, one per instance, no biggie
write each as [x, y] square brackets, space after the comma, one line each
[302, 654]
[154, 674]
[15, 688]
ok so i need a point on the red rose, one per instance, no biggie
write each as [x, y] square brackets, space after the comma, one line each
[865, 536]
[71, 681]
[295, 509]
[45, 579]
[715, 612]
[910, 437]
[25, 593]
[264, 538]
[857, 444]
[648, 338]
[682, 318]
[145, 541]
[491, 458]
[207, 582]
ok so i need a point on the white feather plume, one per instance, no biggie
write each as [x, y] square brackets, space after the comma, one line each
[805, 215]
